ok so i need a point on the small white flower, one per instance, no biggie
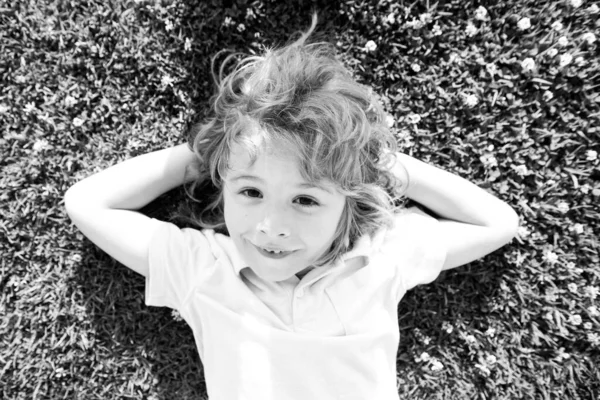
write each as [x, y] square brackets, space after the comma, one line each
[593, 9]
[585, 188]
[425, 18]
[414, 24]
[250, 13]
[593, 310]
[489, 160]
[227, 21]
[563, 207]
[470, 339]
[389, 121]
[563, 41]
[587, 325]
[593, 338]
[490, 359]
[241, 28]
[78, 122]
[592, 292]
[436, 31]
[580, 61]
[187, 45]
[471, 100]
[575, 3]
[528, 64]
[391, 18]
[572, 287]
[176, 316]
[454, 58]
[551, 295]
[577, 228]
[448, 328]
[588, 37]
[70, 101]
[484, 370]
[414, 118]
[557, 26]
[40, 145]
[571, 266]
[523, 232]
[575, 319]
[481, 13]
[370, 46]
[565, 59]
[524, 23]
[471, 30]
[552, 52]
[415, 67]
[169, 25]
[167, 80]
[29, 107]
[436, 365]
[562, 355]
[550, 257]
[403, 134]
[423, 357]
[491, 68]
[490, 332]
[548, 95]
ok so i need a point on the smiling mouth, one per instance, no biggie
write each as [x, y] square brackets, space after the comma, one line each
[274, 254]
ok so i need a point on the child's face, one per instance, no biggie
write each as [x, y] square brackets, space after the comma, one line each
[266, 206]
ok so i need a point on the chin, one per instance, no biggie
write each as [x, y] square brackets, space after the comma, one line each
[273, 277]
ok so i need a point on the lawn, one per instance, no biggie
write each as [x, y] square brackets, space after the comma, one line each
[505, 94]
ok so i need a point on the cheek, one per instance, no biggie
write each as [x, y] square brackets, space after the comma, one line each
[326, 225]
[236, 215]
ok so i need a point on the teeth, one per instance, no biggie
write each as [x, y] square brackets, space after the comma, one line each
[273, 251]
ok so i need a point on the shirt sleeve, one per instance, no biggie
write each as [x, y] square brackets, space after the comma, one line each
[178, 259]
[416, 249]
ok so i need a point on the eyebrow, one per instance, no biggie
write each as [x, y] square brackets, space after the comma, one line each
[305, 185]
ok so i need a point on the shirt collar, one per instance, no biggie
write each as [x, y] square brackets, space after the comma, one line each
[236, 258]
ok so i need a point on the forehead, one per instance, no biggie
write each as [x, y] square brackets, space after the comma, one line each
[275, 159]
[245, 151]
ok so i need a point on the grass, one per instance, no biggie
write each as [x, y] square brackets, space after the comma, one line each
[87, 84]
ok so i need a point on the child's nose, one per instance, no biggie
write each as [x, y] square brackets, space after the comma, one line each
[274, 223]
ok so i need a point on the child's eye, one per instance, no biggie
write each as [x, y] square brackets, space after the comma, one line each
[307, 202]
[251, 193]
[302, 201]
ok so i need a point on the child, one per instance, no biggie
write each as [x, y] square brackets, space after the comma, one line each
[292, 279]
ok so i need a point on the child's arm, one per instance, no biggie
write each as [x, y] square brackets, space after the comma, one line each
[473, 222]
[102, 205]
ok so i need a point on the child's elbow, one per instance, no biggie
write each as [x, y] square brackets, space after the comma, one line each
[69, 201]
[510, 223]
[73, 200]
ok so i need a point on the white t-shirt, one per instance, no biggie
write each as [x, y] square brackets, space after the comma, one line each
[331, 335]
